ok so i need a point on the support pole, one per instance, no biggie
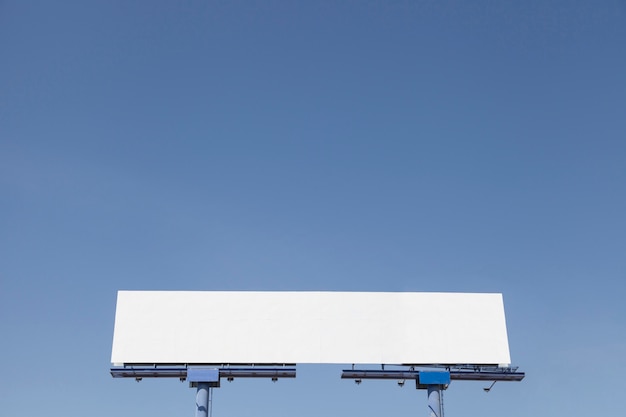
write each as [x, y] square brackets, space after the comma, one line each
[203, 379]
[435, 382]
[435, 405]
[203, 399]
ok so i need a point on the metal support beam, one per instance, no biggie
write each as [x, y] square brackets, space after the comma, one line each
[203, 399]
[140, 372]
[462, 375]
[435, 403]
[436, 379]
[201, 377]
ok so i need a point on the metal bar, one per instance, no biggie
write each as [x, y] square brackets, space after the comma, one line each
[435, 405]
[203, 397]
[181, 372]
[486, 376]
[454, 375]
[257, 373]
[375, 374]
[149, 372]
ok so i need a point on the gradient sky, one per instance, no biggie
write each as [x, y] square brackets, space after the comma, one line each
[324, 145]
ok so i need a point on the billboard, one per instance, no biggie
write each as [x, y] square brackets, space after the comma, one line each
[257, 327]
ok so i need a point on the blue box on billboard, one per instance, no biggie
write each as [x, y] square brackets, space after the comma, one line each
[434, 377]
[203, 375]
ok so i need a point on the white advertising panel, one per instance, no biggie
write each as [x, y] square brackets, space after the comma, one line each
[217, 327]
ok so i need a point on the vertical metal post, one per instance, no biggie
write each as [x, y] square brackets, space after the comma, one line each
[203, 398]
[203, 379]
[434, 401]
[435, 382]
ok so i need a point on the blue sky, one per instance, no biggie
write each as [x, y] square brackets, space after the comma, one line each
[348, 145]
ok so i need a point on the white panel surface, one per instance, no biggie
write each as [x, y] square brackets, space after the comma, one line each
[178, 327]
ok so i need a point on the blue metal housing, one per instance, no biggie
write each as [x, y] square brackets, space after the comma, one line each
[434, 377]
[203, 374]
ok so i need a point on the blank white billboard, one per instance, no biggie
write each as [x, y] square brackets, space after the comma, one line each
[216, 327]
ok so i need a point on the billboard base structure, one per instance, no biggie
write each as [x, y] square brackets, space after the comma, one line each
[181, 372]
[435, 400]
[432, 378]
[435, 379]
[203, 378]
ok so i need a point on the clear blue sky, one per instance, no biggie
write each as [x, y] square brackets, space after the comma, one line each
[326, 145]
